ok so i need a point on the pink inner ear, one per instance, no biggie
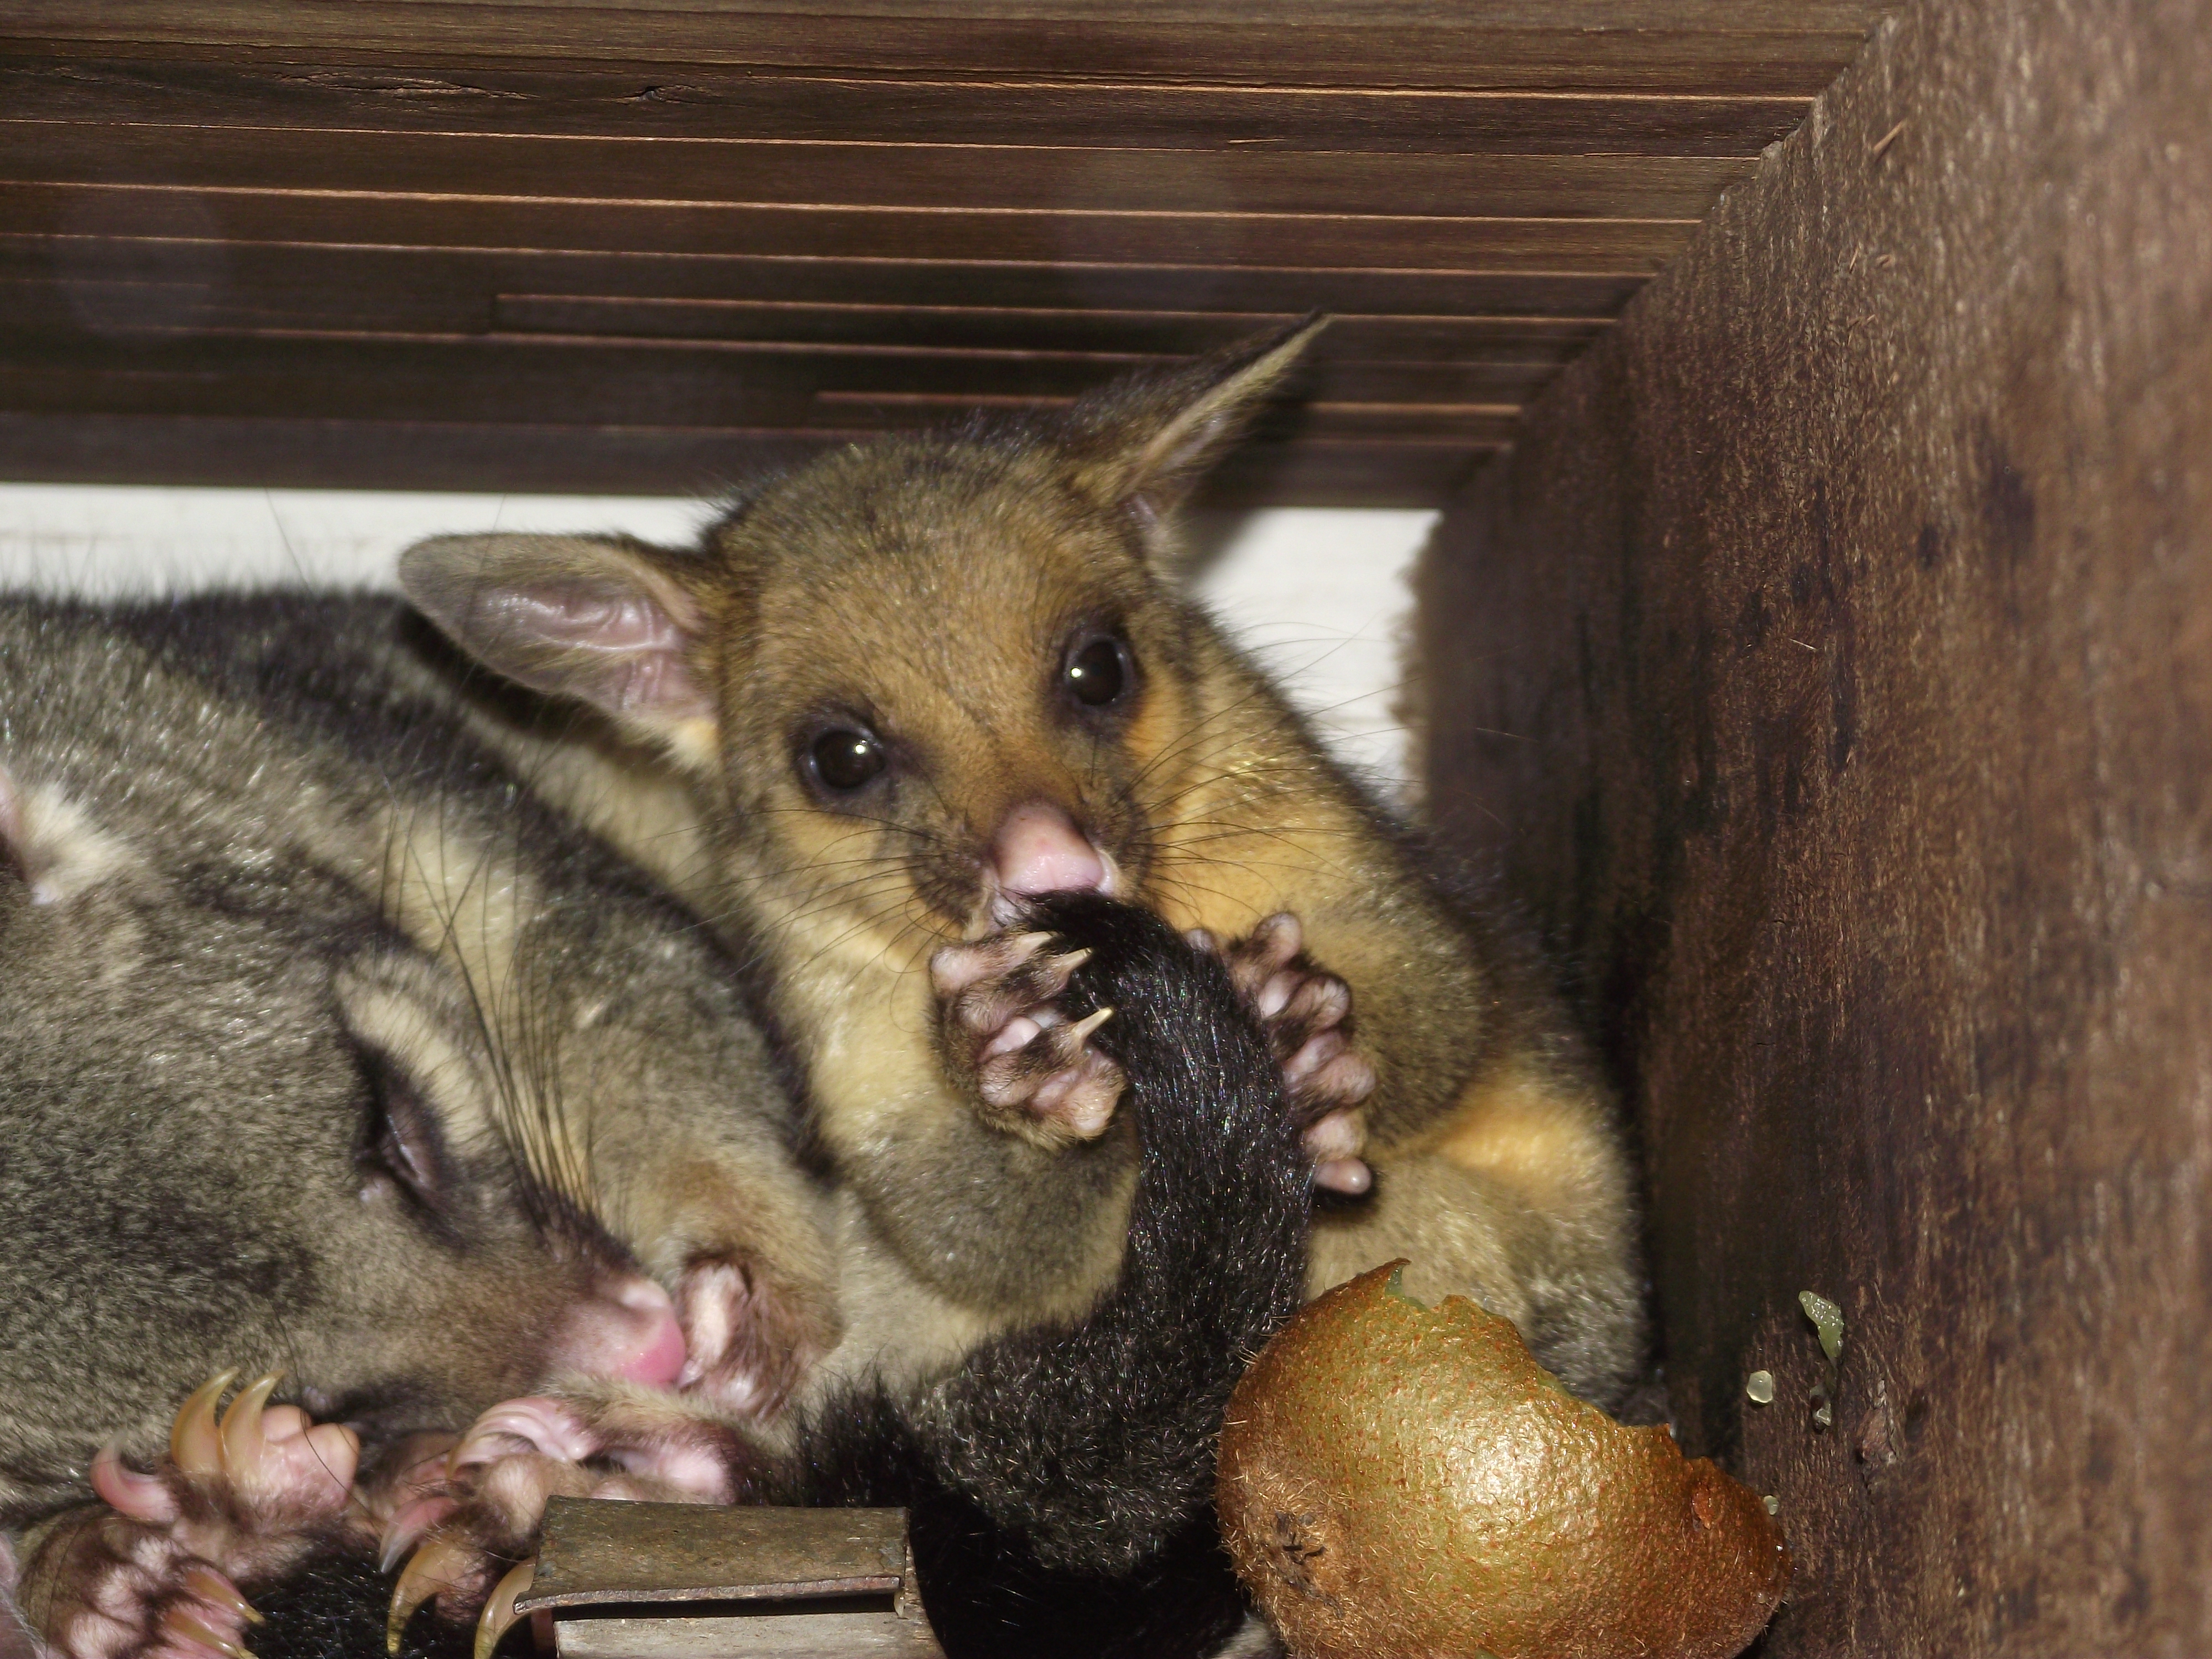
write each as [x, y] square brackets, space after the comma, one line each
[593, 617]
[626, 652]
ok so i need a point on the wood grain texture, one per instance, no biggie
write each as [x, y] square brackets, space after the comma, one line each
[1759, 45]
[1831, 667]
[286, 275]
[288, 451]
[742, 225]
[695, 101]
[785, 173]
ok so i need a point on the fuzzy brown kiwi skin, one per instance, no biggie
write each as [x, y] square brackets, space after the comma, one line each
[928, 587]
[1397, 1480]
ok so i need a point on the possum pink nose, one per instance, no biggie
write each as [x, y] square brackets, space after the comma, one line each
[629, 1331]
[1039, 850]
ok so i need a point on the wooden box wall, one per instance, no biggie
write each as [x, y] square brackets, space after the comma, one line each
[1831, 664]
[653, 244]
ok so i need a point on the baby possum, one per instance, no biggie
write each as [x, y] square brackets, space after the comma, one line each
[1061, 1479]
[324, 1050]
[917, 683]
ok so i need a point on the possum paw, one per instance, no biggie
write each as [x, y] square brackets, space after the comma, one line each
[1306, 1016]
[747, 1340]
[241, 1499]
[1033, 1070]
[478, 1527]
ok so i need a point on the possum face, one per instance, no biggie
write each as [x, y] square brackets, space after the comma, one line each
[242, 1122]
[935, 676]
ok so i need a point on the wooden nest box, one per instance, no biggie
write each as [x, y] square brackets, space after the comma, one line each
[1817, 641]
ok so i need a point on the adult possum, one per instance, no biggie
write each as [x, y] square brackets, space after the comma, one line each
[326, 1050]
[915, 683]
[1061, 1478]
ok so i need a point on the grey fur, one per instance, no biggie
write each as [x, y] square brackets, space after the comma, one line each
[251, 861]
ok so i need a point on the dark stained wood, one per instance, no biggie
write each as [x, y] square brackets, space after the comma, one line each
[578, 224]
[1831, 670]
[1748, 46]
[591, 380]
[295, 279]
[709, 231]
[647, 101]
[908, 177]
[288, 452]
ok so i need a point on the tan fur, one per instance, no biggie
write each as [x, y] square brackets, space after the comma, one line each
[928, 589]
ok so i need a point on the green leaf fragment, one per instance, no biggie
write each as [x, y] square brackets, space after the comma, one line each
[1828, 1319]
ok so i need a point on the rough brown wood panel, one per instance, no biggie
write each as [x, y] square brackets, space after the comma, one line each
[733, 229]
[1832, 664]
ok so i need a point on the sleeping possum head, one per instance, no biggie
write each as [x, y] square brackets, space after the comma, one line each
[243, 1122]
[936, 674]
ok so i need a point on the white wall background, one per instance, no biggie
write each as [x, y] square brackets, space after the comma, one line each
[1318, 595]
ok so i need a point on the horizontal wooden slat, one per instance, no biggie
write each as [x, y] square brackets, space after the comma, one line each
[453, 288]
[464, 221]
[648, 102]
[917, 178]
[1744, 46]
[295, 453]
[602, 382]
[1444, 423]
[119, 308]
[1355, 339]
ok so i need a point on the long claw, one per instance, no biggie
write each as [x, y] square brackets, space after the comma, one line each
[498, 1614]
[408, 1524]
[212, 1586]
[438, 1566]
[186, 1627]
[242, 1439]
[195, 1443]
[1084, 1028]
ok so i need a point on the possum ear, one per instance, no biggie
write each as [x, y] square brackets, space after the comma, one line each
[602, 619]
[1142, 442]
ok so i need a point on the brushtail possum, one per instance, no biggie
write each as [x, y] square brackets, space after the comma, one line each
[327, 1051]
[916, 684]
[1060, 1480]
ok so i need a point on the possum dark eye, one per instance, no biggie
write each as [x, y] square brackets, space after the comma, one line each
[1098, 672]
[399, 1137]
[846, 759]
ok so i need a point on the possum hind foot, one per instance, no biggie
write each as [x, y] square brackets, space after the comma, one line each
[1307, 1015]
[239, 1499]
[612, 1441]
[1035, 1073]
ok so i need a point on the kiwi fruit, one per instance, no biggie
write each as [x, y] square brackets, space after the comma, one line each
[1398, 1480]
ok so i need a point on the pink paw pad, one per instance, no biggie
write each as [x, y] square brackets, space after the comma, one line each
[1028, 1060]
[1306, 1014]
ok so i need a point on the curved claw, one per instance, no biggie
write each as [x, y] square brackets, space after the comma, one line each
[409, 1522]
[187, 1628]
[438, 1566]
[213, 1588]
[195, 1443]
[242, 1439]
[499, 1613]
[1084, 1028]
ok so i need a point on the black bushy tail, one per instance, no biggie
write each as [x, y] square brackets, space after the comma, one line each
[1061, 1481]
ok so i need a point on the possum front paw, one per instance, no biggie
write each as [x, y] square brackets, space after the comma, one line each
[156, 1573]
[1032, 1070]
[477, 1523]
[748, 1338]
[1306, 1014]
